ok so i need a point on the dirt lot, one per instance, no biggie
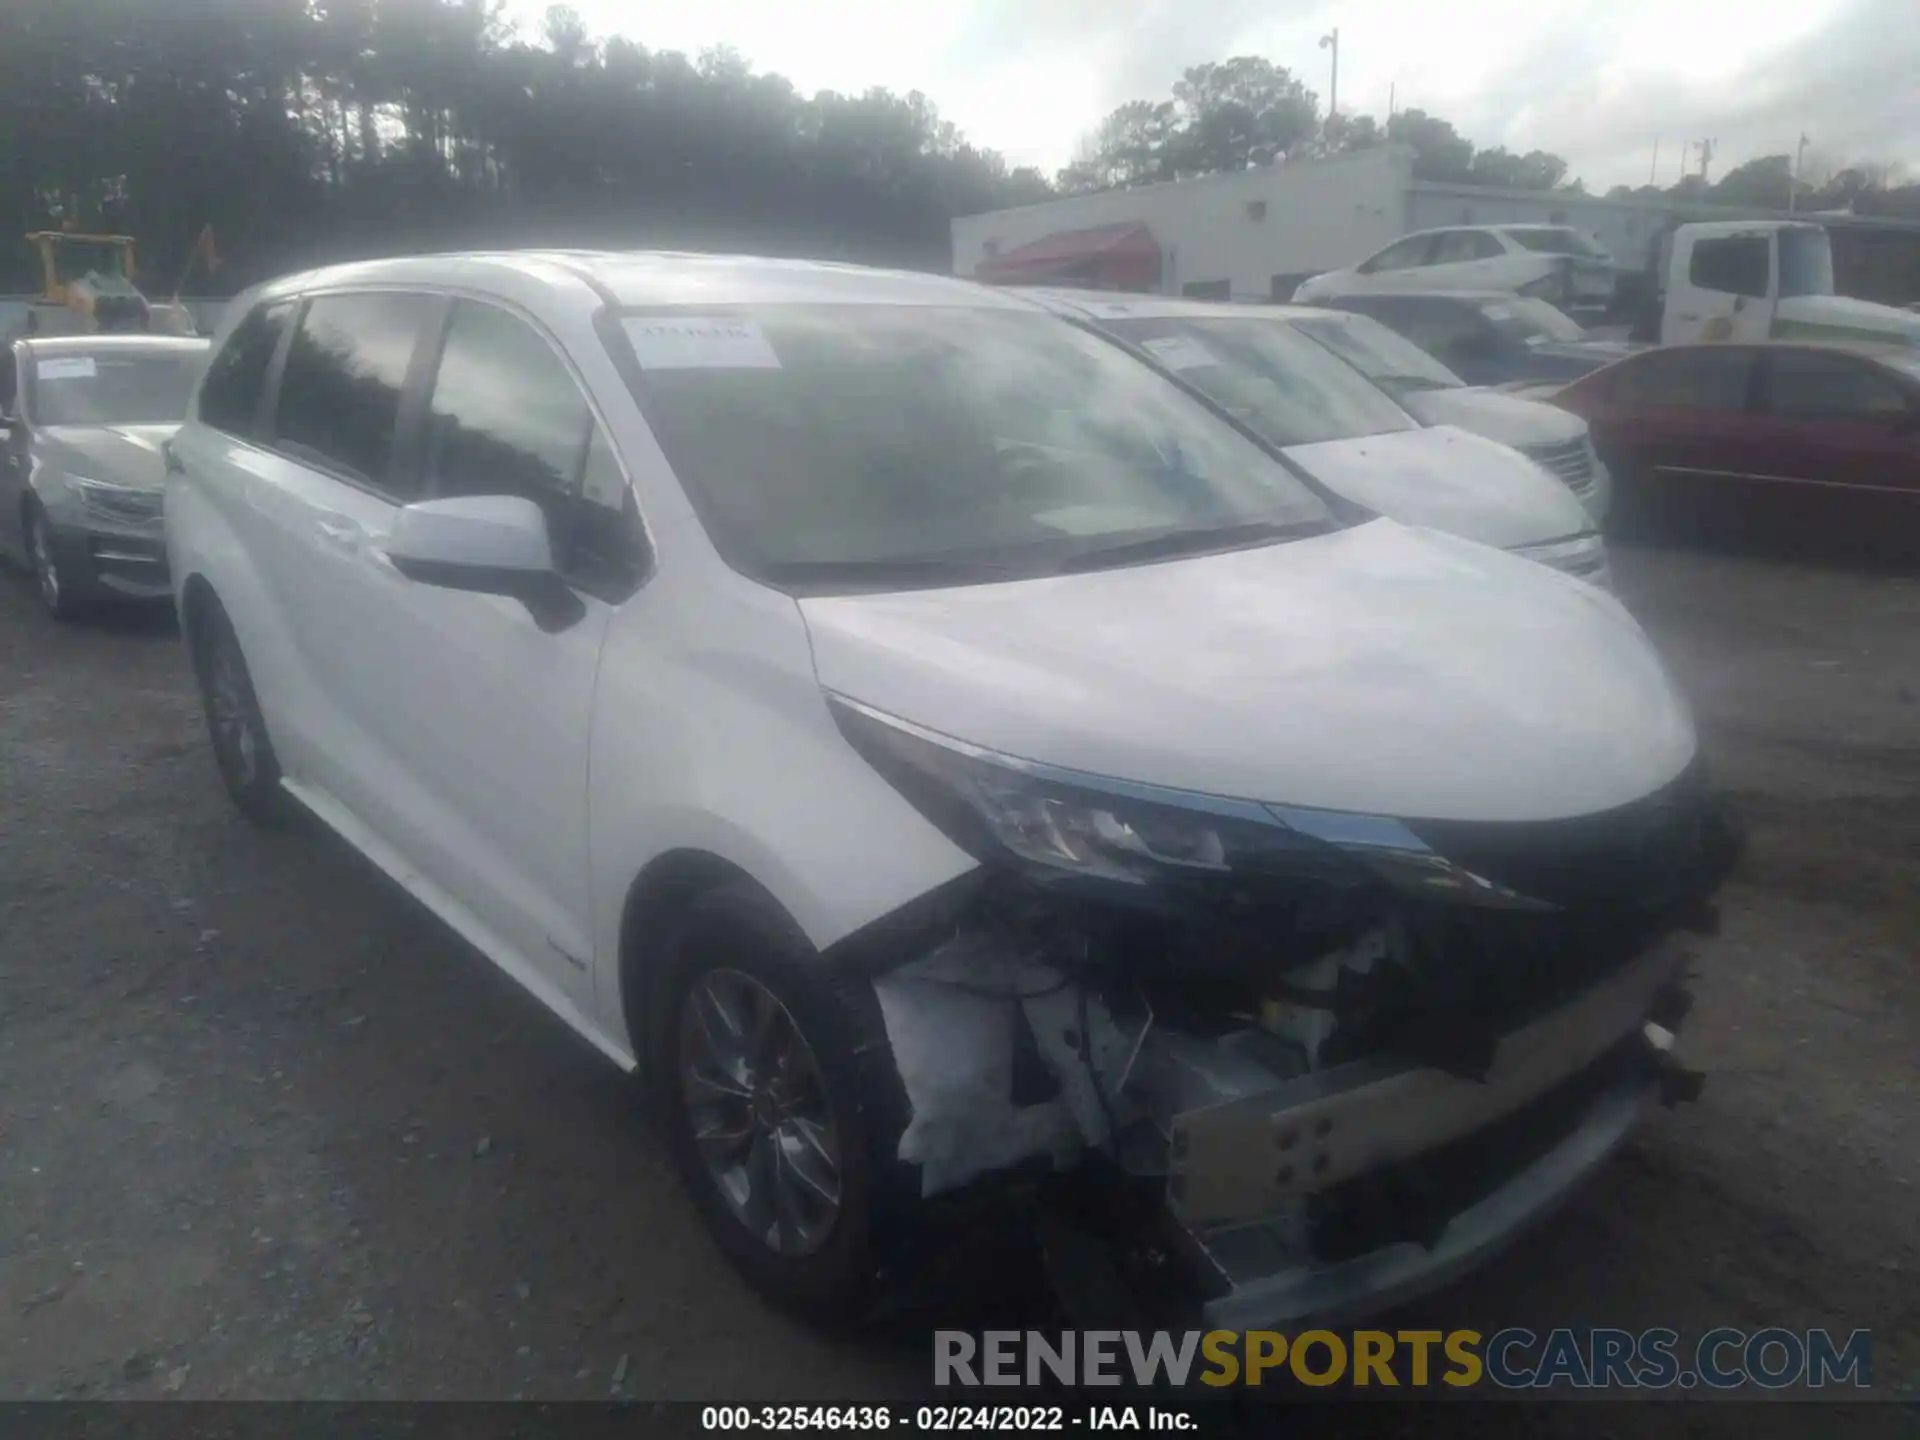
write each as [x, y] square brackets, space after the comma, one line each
[266, 1131]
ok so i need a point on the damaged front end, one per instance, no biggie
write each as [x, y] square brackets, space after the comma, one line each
[1298, 1063]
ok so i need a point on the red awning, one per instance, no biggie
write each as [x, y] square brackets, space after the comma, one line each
[1122, 257]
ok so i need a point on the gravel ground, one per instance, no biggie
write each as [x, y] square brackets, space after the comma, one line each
[267, 1132]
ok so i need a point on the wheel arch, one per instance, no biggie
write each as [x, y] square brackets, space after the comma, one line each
[662, 890]
[198, 600]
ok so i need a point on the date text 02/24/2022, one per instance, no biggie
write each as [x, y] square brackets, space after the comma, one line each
[955, 1418]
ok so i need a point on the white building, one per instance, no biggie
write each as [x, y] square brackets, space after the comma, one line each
[1255, 234]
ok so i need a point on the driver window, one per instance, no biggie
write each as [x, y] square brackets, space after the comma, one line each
[507, 418]
[1733, 265]
[1405, 255]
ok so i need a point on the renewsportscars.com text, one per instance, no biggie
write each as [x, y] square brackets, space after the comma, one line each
[1514, 1359]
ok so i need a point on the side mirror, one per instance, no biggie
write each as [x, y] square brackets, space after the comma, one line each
[487, 544]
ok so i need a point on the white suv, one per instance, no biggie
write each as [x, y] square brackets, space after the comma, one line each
[936, 749]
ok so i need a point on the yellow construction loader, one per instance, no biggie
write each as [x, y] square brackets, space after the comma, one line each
[87, 288]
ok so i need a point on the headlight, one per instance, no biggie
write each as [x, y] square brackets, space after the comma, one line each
[1585, 558]
[1064, 826]
[117, 502]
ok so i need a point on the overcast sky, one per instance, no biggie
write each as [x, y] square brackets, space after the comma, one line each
[1598, 81]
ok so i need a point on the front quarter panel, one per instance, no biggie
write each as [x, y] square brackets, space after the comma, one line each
[208, 506]
[711, 734]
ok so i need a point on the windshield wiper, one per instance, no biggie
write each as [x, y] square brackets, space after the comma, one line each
[1414, 382]
[1170, 543]
[909, 571]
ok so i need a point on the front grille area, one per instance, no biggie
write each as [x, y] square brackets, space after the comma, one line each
[1568, 461]
[1674, 846]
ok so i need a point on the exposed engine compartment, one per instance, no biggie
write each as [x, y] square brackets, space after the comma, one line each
[1301, 1071]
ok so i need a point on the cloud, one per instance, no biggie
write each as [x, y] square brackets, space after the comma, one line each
[1597, 81]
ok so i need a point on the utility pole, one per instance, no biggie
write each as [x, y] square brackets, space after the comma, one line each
[1332, 42]
[1653, 171]
[1706, 159]
[1793, 183]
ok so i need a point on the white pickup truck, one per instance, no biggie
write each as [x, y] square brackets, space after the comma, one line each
[1764, 279]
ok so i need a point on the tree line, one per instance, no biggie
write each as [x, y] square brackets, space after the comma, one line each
[310, 131]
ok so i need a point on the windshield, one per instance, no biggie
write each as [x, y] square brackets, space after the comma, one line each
[1806, 263]
[1282, 384]
[878, 444]
[1558, 242]
[119, 388]
[1391, 361]
[1532, 322]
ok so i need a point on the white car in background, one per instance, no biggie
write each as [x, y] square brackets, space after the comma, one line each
[1347, 432]
[1556, 263]
[1553, 439]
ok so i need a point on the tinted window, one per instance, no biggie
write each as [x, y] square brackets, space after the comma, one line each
[114, 387]
[9, 379]
[1706, 377]
[507, 418]
[340, 390]
[1459, 246]
[1279, 382]
[1557, 242]
[230, 394]
[1733, 265]
[1401, 256]
[1207, 289]
[1445, 331]
[1813, 385]
[878, 444]
[1806, 263]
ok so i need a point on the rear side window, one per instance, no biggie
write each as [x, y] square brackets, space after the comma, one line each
[340, 390]
[507, 418]
[237, 378]
[1708, 377]
[1734, 265]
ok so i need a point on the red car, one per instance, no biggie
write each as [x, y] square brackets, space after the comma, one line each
[1816, 440]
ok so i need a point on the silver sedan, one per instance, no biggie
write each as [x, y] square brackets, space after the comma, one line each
[82, 422]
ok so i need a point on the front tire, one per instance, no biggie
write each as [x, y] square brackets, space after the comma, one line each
[781, 1103]
[241, 747]
[56, 595]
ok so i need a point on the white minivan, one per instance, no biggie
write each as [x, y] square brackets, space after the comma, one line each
[1338, 423]
[950, 763]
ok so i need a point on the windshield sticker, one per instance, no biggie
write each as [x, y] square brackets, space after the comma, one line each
[1179, 352]
[1498, 312]
[700, 342]
[72, 368]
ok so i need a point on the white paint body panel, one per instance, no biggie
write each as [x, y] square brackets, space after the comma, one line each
[1443, 478]
[1378, 669]
[518, 782]
[1489, 413]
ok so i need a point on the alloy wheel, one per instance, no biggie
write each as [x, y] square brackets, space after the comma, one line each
[759, 1112]
[232, 715]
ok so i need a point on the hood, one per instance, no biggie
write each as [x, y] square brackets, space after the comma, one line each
[117, 454]
[1493, 415]
[1376, 669]
[1841, 315]
[1445, 479]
